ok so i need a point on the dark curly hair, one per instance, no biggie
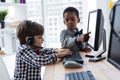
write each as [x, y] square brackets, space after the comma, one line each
[71, 9]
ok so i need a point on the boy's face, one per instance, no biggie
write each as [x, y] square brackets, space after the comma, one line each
[38, 40]
[71, 20]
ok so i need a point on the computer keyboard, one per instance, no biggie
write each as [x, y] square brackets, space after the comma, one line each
[84, 75]
[73, 61]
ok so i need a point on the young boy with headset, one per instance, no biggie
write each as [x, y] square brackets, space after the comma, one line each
[31, 55]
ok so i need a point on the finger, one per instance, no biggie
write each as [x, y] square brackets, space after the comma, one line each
[88, 33]
[87, 38]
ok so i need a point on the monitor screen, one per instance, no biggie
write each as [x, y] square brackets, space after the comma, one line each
[114, 45]
[95, 26]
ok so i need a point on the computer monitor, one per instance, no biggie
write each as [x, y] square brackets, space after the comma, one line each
[96, 27]
[114, 44]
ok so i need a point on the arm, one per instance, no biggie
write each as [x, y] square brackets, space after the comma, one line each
[47, 56]
[83, 37]
[66, 39]
[31, 58]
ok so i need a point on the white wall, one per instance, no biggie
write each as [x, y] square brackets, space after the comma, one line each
[92, 5]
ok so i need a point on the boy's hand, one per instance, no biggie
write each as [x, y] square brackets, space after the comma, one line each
[87, 49]
[63, 52]
[86, 37]
[83, 37]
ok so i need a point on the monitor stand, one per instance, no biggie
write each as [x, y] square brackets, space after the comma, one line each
[97, 56]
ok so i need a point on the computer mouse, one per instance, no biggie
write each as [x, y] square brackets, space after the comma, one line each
[72, 64]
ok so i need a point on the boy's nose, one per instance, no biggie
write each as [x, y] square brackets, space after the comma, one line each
[69, 21]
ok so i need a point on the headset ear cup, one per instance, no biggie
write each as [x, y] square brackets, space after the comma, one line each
[30, 40]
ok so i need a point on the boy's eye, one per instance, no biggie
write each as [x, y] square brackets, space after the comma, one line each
[40, 37]
[67, 20]
[72, 19]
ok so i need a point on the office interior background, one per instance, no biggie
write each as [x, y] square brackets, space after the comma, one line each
[50, 14]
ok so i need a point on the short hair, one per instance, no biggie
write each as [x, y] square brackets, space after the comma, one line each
[28, 28]
[71, 9]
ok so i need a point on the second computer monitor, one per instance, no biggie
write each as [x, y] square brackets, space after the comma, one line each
[95, 26]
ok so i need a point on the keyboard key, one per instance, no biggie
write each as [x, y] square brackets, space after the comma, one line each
[67, 77]
[80, 76]
[71, 76]
[76, 77]
[91, 75]
[85, 76]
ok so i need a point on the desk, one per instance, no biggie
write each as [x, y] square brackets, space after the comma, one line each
[102, 70]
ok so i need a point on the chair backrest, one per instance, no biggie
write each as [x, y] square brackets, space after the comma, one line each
[4, 75]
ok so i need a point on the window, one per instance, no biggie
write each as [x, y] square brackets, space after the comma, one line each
[50, 12]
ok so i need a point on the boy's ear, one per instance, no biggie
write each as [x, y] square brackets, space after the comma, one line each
[78, 20]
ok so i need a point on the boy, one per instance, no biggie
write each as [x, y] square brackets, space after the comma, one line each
[71, 38]
[31, 55]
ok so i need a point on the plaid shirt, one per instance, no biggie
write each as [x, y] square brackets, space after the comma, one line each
[28, 63]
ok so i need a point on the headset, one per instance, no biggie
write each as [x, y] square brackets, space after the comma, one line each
[30, 40]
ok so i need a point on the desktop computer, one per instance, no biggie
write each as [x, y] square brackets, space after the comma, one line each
[97, 36]
[114, 43]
